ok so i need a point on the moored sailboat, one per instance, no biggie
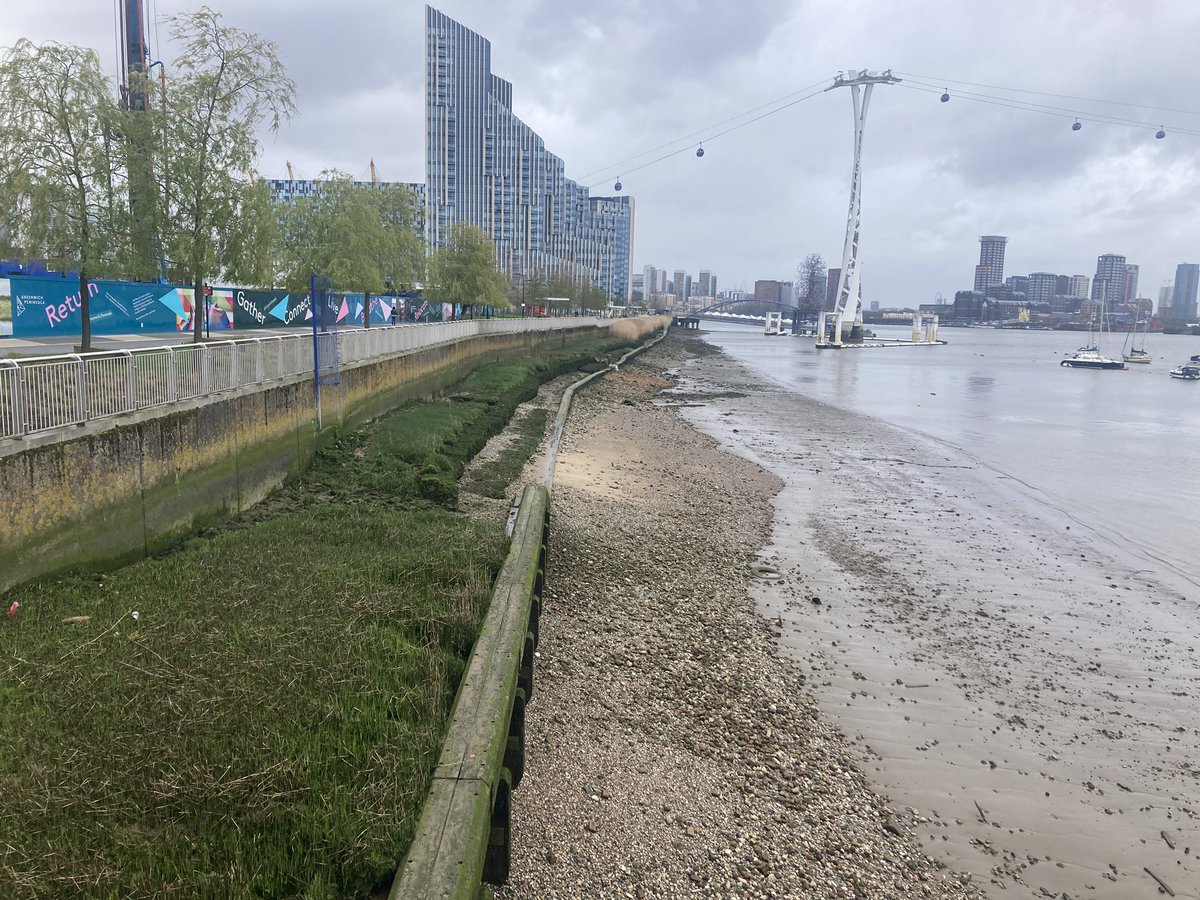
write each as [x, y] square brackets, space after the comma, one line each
[1091, 359]
[1089, 355]
[1136, 353]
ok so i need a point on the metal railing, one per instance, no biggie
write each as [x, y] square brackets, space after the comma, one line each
[42, 393]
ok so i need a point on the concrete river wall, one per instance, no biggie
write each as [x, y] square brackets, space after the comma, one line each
[109, 492]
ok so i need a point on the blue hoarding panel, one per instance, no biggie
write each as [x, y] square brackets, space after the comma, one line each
[50, 307]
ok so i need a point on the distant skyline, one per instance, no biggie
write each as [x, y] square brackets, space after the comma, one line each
[605, 80]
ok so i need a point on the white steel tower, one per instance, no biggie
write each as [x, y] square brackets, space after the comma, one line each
[847, 315]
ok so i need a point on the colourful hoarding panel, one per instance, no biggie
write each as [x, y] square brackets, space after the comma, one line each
[50, 307]
[269, 309]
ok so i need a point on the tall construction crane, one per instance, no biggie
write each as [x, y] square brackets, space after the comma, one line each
[135, 55]
[143, 191]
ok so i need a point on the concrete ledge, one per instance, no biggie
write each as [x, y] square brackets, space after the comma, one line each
[464, 834]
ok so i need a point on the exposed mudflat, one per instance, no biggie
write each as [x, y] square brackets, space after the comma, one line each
[1032, 694]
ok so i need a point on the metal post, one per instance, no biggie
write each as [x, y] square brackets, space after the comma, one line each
[205, 374]
[317, 312]
[20, 425]
[173, 375]
[80, 388]
[131, 391]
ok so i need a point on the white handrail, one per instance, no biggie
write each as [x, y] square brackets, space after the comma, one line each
[42, 393]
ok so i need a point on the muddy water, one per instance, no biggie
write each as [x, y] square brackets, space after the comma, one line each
[1026, 690]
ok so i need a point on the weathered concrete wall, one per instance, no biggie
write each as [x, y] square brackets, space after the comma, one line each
[117, 494]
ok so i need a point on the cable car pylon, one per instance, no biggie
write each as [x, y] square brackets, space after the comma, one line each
[849, 293]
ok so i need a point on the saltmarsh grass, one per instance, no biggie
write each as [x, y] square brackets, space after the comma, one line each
[266, 724]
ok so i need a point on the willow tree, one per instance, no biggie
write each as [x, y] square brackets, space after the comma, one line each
[811, 279]
[62, 170]
[225, 86]
[464, 271]
[363, 237]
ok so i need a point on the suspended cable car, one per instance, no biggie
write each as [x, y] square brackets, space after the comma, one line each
[1161, 133]
[617, 186]
[700, 150]
[1077, 125]
[945, 95]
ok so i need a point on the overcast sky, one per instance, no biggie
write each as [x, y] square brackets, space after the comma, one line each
[603, 80]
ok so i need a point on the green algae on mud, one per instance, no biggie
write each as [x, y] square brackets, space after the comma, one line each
[492, 478]
[257, 712]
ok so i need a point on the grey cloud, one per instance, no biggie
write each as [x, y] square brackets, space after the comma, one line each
[607, 79]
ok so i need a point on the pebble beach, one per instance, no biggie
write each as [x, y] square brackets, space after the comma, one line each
[672, 749]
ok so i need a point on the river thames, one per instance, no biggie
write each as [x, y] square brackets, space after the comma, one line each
[987, 568]
[1119, 452]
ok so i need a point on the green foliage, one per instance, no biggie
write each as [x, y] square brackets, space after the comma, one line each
[270, 719]
[224, 87]
[86, 184]
[63, 191]
[561, 286]
[434, 440]
[578, 294]
[248, 250]
[464, 271]
[811, 284]
[362, 237]
[267, 725]
[593, 298]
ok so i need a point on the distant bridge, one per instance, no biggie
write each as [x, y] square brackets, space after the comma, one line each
[714, 307]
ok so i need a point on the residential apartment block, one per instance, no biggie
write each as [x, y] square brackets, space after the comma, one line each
[483, 165]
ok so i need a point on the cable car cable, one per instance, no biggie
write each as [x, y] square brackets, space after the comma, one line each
[1026, 104]
[995, 87]
[713, 136]
[1060, 112]
[688, 137]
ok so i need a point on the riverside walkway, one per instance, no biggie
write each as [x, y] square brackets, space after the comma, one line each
[45, 392]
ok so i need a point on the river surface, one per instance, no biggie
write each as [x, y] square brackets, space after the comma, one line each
[1117, 451]
[987, 567]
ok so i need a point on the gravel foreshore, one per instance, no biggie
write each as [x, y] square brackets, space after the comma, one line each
[671, 751]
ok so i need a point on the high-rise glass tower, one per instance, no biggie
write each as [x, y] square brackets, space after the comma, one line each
[683, 287]
[483, 165]
[1183, 296]
[990, 270]
[649, 283]
[1131, 283]
[1108, 286]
